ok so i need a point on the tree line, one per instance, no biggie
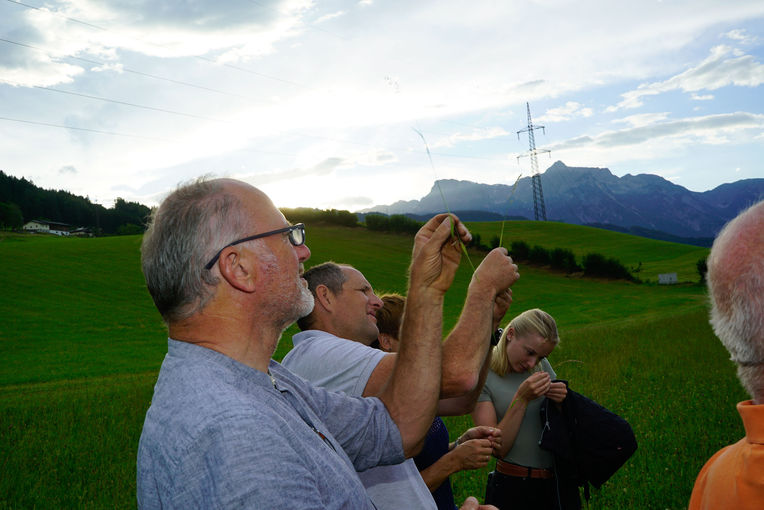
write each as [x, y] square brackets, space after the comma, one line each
[22, 201]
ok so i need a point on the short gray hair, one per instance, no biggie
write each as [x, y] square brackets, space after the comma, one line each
[187, 229]
[327, 273]
[736, 290]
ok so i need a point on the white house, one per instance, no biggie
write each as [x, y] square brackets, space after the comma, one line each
[47, 227]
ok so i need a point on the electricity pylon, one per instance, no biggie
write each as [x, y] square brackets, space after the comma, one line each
[539, 210]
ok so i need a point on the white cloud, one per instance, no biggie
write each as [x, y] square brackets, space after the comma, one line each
[725, 66]
[642, 119]
[333, 15]
[473, 136]
[742, 36]
[570, 110]
[708, 130]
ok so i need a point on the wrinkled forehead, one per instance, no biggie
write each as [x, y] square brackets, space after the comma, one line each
[354, 278]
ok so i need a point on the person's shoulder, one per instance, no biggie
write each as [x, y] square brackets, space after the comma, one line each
[320, 343]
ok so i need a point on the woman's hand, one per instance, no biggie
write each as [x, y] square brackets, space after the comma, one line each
[557, 392]
[535, 386]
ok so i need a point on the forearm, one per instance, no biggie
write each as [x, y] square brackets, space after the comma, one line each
[465, 404]
[510, 424]
[411, 395]
[466, 347]
[437, 473]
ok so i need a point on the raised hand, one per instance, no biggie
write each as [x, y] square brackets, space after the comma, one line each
[497, 271]
[437, 252]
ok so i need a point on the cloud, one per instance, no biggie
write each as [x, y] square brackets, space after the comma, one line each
[68, 169]
[333, 15]
[572, 109]
[642, 119]
[725, 66]
[474, 136]
[711, 129]
[741, 35]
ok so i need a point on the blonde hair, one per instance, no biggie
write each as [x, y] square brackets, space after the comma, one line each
[535, 321]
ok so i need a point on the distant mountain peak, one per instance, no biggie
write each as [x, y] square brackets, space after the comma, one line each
[584, 195]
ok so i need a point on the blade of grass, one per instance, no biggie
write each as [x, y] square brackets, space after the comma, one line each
[443, 197]
[511, 197]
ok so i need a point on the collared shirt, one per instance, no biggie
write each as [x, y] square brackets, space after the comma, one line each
[734, 476]
[342, 365]
[220, 434]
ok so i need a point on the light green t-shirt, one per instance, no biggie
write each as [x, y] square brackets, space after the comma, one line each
[500, 391]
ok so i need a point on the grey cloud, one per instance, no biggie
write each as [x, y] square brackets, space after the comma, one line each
[200, 15]
[682, 127]
[68, 169]
[326, 167]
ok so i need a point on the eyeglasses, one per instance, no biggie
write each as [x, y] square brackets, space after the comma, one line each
[296, 237]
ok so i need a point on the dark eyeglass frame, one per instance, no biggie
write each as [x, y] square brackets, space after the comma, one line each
[296, 237]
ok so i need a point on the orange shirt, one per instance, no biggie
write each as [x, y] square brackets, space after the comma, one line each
[734, 476]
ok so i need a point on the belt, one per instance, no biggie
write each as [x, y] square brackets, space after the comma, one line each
[507, 468]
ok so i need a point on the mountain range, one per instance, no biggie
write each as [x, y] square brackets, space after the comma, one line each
[641, 204]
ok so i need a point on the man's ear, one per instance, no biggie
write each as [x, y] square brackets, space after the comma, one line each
[239, 269]
[324, 297]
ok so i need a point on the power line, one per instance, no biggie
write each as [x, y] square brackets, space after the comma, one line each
[124, 69]
[87, 130]
[125, 103]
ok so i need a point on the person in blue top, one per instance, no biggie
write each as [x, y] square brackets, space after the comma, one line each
[228, 427]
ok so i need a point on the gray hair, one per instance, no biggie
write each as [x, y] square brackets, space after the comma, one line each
[736, 290]
[187, 229]
[329, 274]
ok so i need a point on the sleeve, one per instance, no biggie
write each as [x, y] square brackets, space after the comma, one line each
[334, 363]
[363, 428]
[486, 395]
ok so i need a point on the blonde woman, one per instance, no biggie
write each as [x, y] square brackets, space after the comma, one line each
[519, 377]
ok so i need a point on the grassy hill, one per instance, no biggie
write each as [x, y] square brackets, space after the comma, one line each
[82, 344]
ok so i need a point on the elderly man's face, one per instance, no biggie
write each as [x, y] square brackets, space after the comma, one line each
[356, 311]
[288, 297]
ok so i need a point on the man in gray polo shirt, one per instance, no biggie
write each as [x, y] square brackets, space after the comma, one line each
[333, 352]
[228, 426]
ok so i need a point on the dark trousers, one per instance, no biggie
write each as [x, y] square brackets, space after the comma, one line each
[518, 493]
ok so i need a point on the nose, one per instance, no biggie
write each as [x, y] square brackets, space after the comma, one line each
[303, 252]
[376, 303]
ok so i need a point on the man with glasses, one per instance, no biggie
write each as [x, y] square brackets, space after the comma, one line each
[228, 426]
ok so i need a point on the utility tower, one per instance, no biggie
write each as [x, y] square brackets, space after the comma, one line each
[539, 209]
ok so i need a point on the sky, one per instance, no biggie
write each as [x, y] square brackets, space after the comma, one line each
[336, 104]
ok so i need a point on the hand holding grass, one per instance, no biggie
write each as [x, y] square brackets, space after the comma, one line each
[535, 386]
[437, 252]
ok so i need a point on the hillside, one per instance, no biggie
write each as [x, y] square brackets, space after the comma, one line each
[81, 358]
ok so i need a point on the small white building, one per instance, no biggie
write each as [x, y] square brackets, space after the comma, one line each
[47, 227]
[667, 278]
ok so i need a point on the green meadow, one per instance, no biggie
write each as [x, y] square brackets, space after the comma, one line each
[81, 345]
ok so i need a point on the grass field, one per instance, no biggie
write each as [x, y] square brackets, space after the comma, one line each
[82, 343]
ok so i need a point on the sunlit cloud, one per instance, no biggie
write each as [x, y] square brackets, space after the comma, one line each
[570, 110]
[725, 66]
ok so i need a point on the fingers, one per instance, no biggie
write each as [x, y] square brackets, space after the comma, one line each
[470, 504]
